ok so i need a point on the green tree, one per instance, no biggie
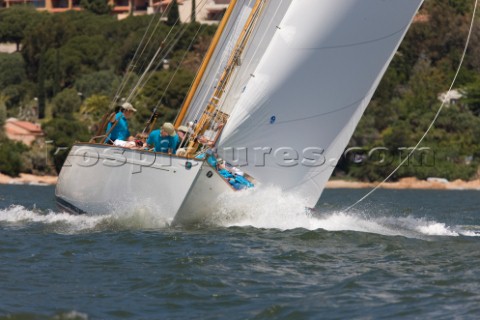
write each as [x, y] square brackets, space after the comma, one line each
[472, 97]
[156, 92]
[3, 113]
[96, 6]
[92, 111]
[12, 69]
[66, 103]
[15, 96]
[11, 157]
[78, 56]
[14, 22]
[173, 16]
[64, 133]
[97, 83]
[51, 32]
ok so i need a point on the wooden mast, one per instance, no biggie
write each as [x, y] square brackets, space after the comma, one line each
[206, 61]
[210, 112]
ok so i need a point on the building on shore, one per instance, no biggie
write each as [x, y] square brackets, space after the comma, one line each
[23, 131]
[207, 11]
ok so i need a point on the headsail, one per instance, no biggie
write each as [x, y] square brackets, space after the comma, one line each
[305, 80]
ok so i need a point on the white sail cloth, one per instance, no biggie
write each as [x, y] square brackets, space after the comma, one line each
[304, 83]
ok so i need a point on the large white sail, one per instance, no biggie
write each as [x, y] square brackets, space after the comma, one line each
[306, 78]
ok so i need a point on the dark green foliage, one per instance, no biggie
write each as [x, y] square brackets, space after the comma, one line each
[154, 93]
[40, 77]
[66, 103]
[92, 111]
[78, 56]
[96, 6]
[173, 14]
[100, 82]
[14, 23]
[11, 157]
[37, 161]
[3, 113]
[12, 78]
[64, 133]
[12, 69]
[52, 31]
[460, 7]
[472, 97]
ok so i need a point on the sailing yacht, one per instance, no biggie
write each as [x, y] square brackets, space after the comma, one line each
[280, 91]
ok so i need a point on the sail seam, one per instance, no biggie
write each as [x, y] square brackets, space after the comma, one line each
[357, 44]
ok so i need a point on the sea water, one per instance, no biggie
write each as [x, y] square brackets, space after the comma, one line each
[401, 254]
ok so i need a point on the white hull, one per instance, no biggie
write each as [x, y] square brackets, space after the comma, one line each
[102, 179]
[201, 200]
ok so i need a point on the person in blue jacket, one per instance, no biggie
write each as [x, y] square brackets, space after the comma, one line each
[120, 131]
[164, 139]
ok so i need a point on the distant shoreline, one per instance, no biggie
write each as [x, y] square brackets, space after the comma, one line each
[28, 179]
[409, 183]
[405, 183]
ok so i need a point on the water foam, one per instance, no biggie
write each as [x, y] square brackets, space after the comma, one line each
[270, 208]
[20, 216]
[141, 218]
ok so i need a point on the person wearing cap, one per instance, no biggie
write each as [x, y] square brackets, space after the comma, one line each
[164, 139]
[120, 130]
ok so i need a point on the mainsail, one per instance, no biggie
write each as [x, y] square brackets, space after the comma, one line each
[305, 79]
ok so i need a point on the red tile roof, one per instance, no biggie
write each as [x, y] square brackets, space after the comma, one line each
[32, 127]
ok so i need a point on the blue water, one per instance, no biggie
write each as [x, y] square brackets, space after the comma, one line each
[399, 255]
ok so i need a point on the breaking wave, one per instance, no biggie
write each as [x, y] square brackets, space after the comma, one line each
[271, 208]
[66, 223]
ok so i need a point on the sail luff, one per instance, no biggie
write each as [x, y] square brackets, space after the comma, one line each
[205, 63]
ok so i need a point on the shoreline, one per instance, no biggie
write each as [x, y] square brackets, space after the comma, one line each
[405, 183]
[409, 183]
[28, 179]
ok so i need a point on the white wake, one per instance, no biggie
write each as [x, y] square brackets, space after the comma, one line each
[268, 208]
[65, 223]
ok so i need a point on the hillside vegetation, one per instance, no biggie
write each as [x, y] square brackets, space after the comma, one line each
[69, 67]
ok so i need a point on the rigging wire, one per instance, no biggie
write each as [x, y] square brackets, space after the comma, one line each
[178, 67]
[223, 59]
[131, 65]
[235, 55]
[464, 53]
[169, 7]
[147, 69]
[147, 75]
[211, 83]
